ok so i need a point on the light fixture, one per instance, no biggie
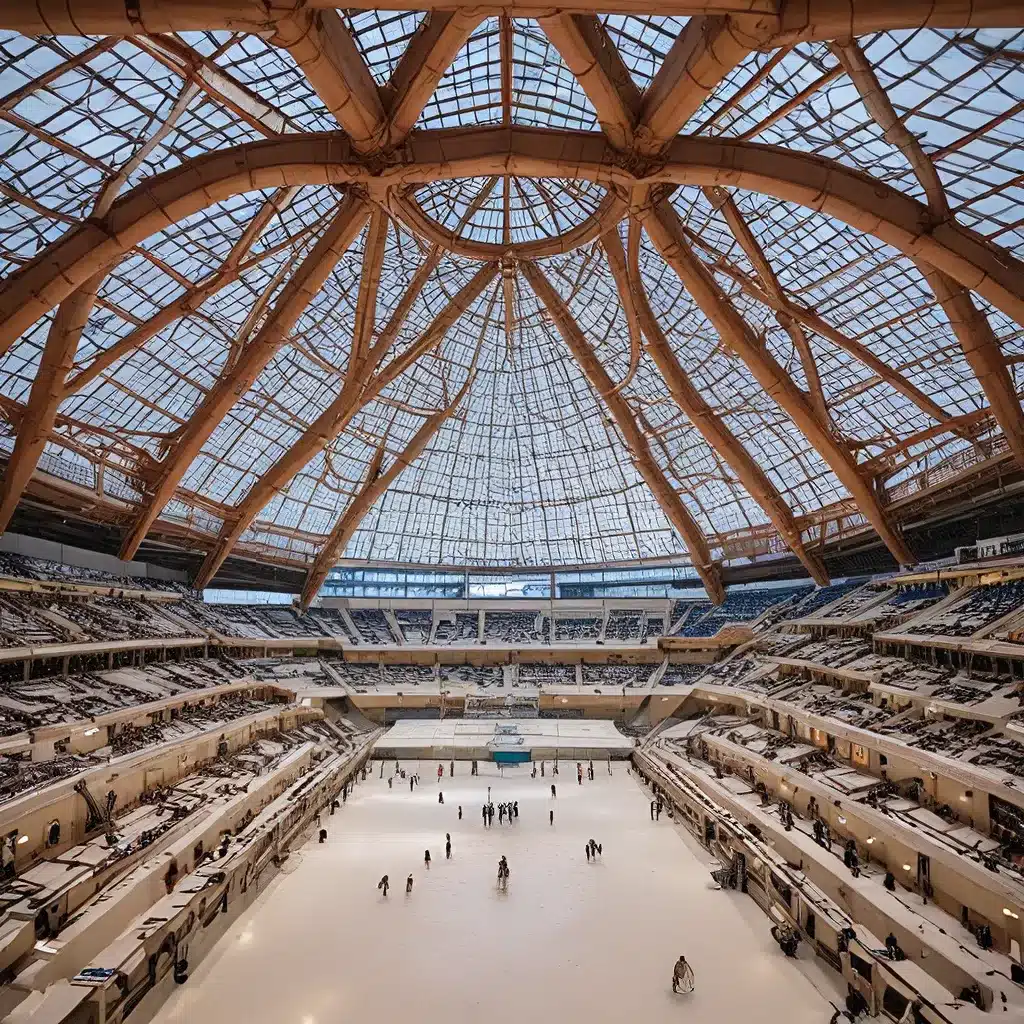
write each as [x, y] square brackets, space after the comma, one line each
[869, 840]
[842, 820]
[1009, 913]
[22, 840]
[906, 867]
[91, 732]
[963, 798]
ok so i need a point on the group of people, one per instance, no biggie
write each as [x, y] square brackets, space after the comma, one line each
[593, 848]
[508, 810]
[554, 769]
[579, 772]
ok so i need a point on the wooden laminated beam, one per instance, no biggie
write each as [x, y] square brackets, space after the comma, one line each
[358, 390]
[594, 60]
[796, 20]
[374, 487]
[970, 325]
[427, 57]
[703, 54]
[671, 504]
[233, 267]
[322, 46]
[691, 402]
[983, 353]
[788, 316]
[320, 158]
[66, 331]
[296, 295]
[46, 394]
[663, 228]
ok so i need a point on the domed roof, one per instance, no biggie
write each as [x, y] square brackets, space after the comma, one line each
[444, 289]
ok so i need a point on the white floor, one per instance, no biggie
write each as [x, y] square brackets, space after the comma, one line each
[569, 941]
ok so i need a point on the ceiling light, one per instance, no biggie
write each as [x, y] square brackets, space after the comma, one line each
[1009, 913]
[22, 840]
[842, 820]
[906, 867]
[91, 732]
[869, 840]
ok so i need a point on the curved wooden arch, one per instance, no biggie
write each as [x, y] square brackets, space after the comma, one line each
[610, 211]
[329, 158]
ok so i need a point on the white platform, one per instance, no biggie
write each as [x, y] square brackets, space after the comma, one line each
[569, 943]
[476, 737]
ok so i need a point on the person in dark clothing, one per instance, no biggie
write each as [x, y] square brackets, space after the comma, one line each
[587, 850]
[391, 782]
[323, 835]
[426, 859]
[408, 884]
[451, 769]
[551, 817]
[819, 832]
[891, 945]
[889, 881]
[440, 798]
[515, 809]
[657, 811]
[542, 769]
[653, 805]
[460, 812]
[552, 789]
[856, 1004]
[412, 780]
[501, 814]
[447, 846]
[490, 814]
[383, 885]
[483, 811]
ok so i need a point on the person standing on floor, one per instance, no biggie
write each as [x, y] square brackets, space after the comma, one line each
[587, 851]
[408, 885]
[447, 846]
[552, 790]
[451, 769]
[483, 811]
[551, 817]
[391, 782]
[383, 885]
[412, 779]
[460, 812]
[440, 798]
[515, 809]
[653, 805]
[426, 859]
[490, 814]
[682, 976]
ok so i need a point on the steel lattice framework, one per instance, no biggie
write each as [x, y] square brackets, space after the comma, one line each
[510, 286]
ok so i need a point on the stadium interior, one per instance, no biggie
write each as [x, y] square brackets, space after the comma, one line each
[491, 395]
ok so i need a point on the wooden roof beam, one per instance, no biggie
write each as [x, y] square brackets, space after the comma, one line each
[358, 390]
[663, 228]
[373, 488]
[230, 270]
[296, 295]
[322, 46]
[786, 312]
[421, 67]
[691, 402]
[970, 325]
[592, 57]
[317, 158]
[707, 49]
[790, 20]
[671, 504]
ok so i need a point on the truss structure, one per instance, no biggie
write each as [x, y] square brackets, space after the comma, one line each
[509, 287]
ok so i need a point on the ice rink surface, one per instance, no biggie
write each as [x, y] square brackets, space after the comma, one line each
[569, 941]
